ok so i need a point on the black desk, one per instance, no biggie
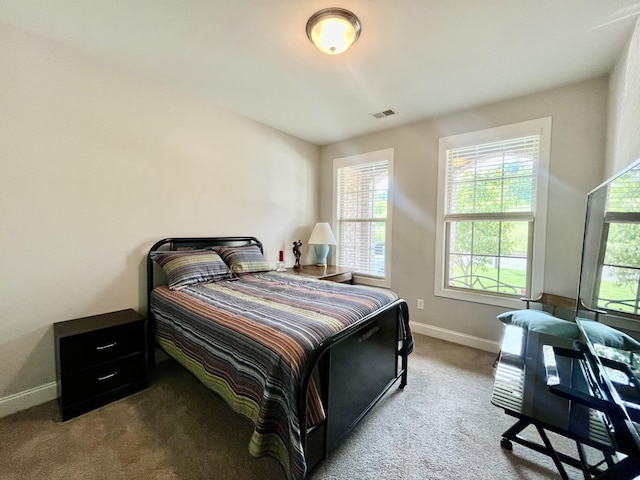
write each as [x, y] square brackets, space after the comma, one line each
[521, 389]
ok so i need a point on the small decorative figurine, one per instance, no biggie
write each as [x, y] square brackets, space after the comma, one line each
[296, 253]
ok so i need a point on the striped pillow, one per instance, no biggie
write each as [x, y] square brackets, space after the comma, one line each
[191, 267]
[244, 259]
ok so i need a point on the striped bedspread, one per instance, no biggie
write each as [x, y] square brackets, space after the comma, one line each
[248, 340]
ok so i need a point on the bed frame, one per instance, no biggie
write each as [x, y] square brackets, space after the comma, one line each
[356, 367]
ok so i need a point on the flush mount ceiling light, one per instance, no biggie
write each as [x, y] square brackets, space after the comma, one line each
[333, 30]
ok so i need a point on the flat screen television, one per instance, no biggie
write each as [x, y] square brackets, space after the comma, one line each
[608, 311]
[610, 269]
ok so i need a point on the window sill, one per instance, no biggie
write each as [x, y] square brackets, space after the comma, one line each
[371, 281]
[487, 299]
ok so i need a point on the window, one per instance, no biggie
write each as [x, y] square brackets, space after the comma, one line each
[619, 279]
[492, 213]
[363, 214]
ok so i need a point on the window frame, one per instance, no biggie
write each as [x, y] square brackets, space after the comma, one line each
[612, 218]
[360, 159]
[542, 127]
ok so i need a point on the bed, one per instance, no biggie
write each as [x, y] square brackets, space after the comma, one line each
[303, 359]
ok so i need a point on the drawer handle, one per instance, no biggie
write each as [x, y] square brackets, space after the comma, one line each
[105, 347]
[107, 377]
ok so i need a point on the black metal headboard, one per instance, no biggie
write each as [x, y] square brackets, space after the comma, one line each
[188, 243]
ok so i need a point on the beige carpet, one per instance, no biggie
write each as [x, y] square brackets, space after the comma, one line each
[441, 426]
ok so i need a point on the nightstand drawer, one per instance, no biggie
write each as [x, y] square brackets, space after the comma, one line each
[92, 348]
[95, 381]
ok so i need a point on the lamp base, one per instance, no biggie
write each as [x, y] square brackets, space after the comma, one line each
[321, 252]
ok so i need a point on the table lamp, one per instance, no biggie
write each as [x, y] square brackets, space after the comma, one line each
[321, 237]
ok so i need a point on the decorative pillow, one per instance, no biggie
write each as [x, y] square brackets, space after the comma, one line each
[608, 336]
[244, 259]
[190, 267]
[539, 321]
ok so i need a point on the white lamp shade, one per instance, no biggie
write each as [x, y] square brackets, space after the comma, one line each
[322, 235]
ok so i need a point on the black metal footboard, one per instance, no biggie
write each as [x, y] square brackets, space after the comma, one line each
[356, 368]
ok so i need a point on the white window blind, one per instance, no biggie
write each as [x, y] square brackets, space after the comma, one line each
[361, 214]
[623, 194]
[496, 177]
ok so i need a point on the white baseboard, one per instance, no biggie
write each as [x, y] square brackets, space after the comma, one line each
[455, 337]
[28, 398]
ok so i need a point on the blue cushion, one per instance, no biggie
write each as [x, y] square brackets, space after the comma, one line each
[608, 336]
[539, 321]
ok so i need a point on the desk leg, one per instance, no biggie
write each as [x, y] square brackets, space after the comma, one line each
[583, 460]
[589, 470]
[511, 435]
[552, 453]
[626, 469]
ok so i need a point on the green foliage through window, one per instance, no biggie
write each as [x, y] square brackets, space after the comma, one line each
[620, 274]
[491, 192]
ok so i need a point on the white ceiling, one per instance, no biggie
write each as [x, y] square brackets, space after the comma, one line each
[419, 57]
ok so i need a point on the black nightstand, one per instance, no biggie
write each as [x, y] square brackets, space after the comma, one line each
[99, 359]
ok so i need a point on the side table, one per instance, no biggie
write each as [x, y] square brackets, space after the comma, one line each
[99, 359]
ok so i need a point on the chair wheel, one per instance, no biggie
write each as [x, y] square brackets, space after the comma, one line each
[506, 444]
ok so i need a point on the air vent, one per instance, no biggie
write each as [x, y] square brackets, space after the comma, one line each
[385, 113]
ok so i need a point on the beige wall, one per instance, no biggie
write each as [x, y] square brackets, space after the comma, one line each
[623, 126]
[95, 166]
[576, 166]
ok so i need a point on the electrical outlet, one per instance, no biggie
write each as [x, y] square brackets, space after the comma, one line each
[420, 304]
